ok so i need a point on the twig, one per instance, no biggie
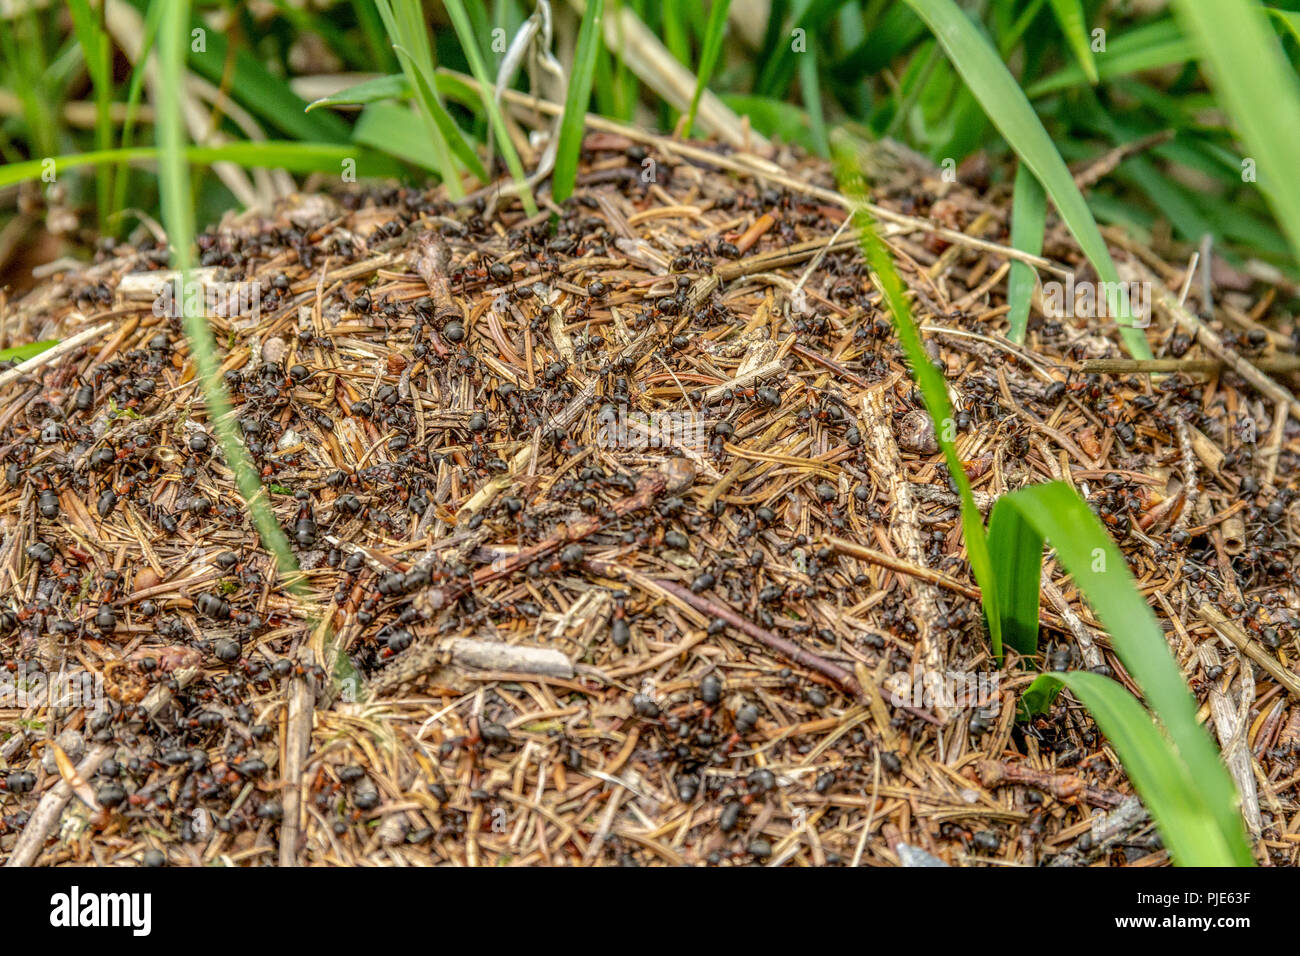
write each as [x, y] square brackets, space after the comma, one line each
[1188, 459]
[1232, 725]
[786, 648]
[767, 370]
[1233, 632]
[1063, 786]
[930, 655]
[1273, 450]
[1109, 161]
[1108, 830]
[863, 553]
[54, 352]
[1087, 647]
[1213, 344]
[47, 812]
[1265, 363]
[297, 745]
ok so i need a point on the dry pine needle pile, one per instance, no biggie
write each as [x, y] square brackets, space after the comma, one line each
[622, 539]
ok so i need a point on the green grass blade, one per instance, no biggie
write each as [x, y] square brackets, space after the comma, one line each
[23, 71]
[135, 89]
[1016, 553]
[713, 34]
[447, 128]
[1289, 20]
[21, 353]
[576, 99]
[1007, 42]
[1057, 514]
[914, 84]
[268, 154]
[178, 217]
[810, 88]
[1256, 85]
[461, 21]
[1070, 18]
[393, 87]
[393, 128]
[1169, 788]
[1006, 105]
[403, 20]
[1147, 47]
[173, 173]
[604, 87]
[676, 25]
[372, 27]
[813, 19]
[95, 49]
[934, 390]
[1028, 220]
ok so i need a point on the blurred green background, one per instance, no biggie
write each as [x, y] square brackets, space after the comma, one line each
[1098, 75]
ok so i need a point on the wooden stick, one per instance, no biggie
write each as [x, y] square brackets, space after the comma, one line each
[930, 656]
[1234, 633]
[1063, 786]
[53, 353]
[1266, 363]
[863, 553]
[786, 648]
[1211, 342]
[297, 745]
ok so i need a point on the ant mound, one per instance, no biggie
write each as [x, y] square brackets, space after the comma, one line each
[620, 535]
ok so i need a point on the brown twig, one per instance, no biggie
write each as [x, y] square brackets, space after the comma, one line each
[1063, 786]
[786, 648]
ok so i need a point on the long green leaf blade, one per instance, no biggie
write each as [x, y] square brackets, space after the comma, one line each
[95, 49]
[403, 20]
[21, 353]
[1289, 20]
[713, 33]
[1256, 85]
[269, 154]
[178, 217]
[576, 99]
[446, 126]
[392, 87]
[1069, 16]
[1169, 789]
[1028, 221]
[1147, 47]
[1016, 552]
[1057, 514]
[1004, 102]
[461, 21]
[934, 391]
